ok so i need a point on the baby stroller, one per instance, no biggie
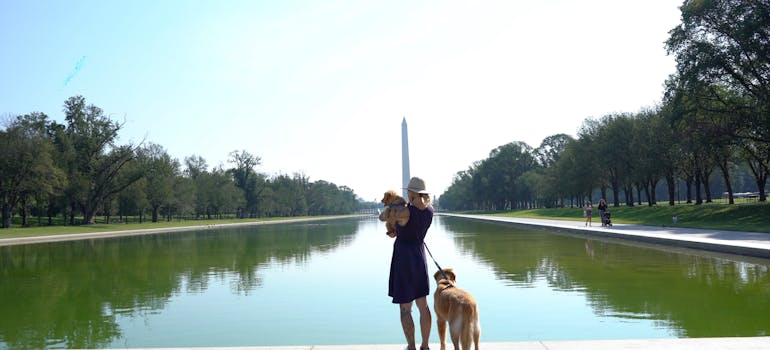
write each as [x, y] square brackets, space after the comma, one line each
[607, 219]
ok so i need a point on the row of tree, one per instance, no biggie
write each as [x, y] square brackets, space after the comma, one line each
[77, 169]
[714, 117]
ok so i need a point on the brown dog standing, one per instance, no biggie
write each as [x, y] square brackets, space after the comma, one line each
[395, 211]
[458, 308]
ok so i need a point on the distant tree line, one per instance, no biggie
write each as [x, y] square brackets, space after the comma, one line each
[76, 170]
[714, 118]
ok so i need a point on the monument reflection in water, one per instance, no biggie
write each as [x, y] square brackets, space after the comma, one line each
[326, 283]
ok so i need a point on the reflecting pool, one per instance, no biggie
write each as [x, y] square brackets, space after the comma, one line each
[325, 282]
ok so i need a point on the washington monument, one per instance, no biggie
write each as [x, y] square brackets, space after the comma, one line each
[404, 158]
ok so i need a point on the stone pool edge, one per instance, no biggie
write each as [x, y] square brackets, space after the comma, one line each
[730, 343]
[147, 231]
[753, 244]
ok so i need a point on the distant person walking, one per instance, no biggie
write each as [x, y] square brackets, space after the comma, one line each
[409, 281]
[602, 210]
[588, 210]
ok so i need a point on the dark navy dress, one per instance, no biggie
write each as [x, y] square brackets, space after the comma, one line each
[408, 266]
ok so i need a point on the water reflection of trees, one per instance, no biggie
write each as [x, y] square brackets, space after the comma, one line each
[694, 295]
[67, 294]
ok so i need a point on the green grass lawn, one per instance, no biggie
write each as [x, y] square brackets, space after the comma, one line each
[754, 217]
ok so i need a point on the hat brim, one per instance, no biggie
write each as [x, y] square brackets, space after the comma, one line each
[417, 191]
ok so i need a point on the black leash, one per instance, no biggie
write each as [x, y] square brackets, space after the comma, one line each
[435, 262]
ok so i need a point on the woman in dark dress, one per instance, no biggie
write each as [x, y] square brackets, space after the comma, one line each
[602, 209]
[409, 281]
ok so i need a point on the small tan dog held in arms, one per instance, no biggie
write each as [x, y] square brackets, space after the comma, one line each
[395, 211]
[458, 308]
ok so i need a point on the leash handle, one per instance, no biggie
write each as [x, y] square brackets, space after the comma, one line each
[435, 262]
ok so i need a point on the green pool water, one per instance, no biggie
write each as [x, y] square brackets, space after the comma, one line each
[326, 283]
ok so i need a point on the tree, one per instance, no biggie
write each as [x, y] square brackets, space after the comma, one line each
[757, 155]
[495, 183]
[159, 170]
[247, 179]
[551, 149]
[325, 198]
[345, 201]
[725, 44]
[459, 194]
[195, 166]
[583, 165]
[652, 145]
[257, 188]
[215, 191]
[197, 171]
[706, 122]
[95, 160]
[722, 51]
[614, 148]
[289, 195]
[593, 156]
[533, 181]
[565, 175]
[183, 199]
[546, 181]
[26, 166]
[320, 198]
[133, 201]
[724, 157]
[223, 195]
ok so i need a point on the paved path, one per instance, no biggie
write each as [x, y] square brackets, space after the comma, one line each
[755, 244]
[755, 343]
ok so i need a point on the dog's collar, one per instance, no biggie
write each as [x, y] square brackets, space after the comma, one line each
[446, 284]
[396, 206]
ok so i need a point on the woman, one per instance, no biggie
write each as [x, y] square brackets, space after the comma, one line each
[602, 209]
[408, 267]
[588, 211]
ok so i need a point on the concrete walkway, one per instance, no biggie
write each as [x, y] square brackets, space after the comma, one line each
[756, 244]
[755, 343]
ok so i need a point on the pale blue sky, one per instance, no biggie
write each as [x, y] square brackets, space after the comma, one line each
[321, 87]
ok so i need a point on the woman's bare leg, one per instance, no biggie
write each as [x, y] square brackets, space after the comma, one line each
[425, 321]
[407, 323]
